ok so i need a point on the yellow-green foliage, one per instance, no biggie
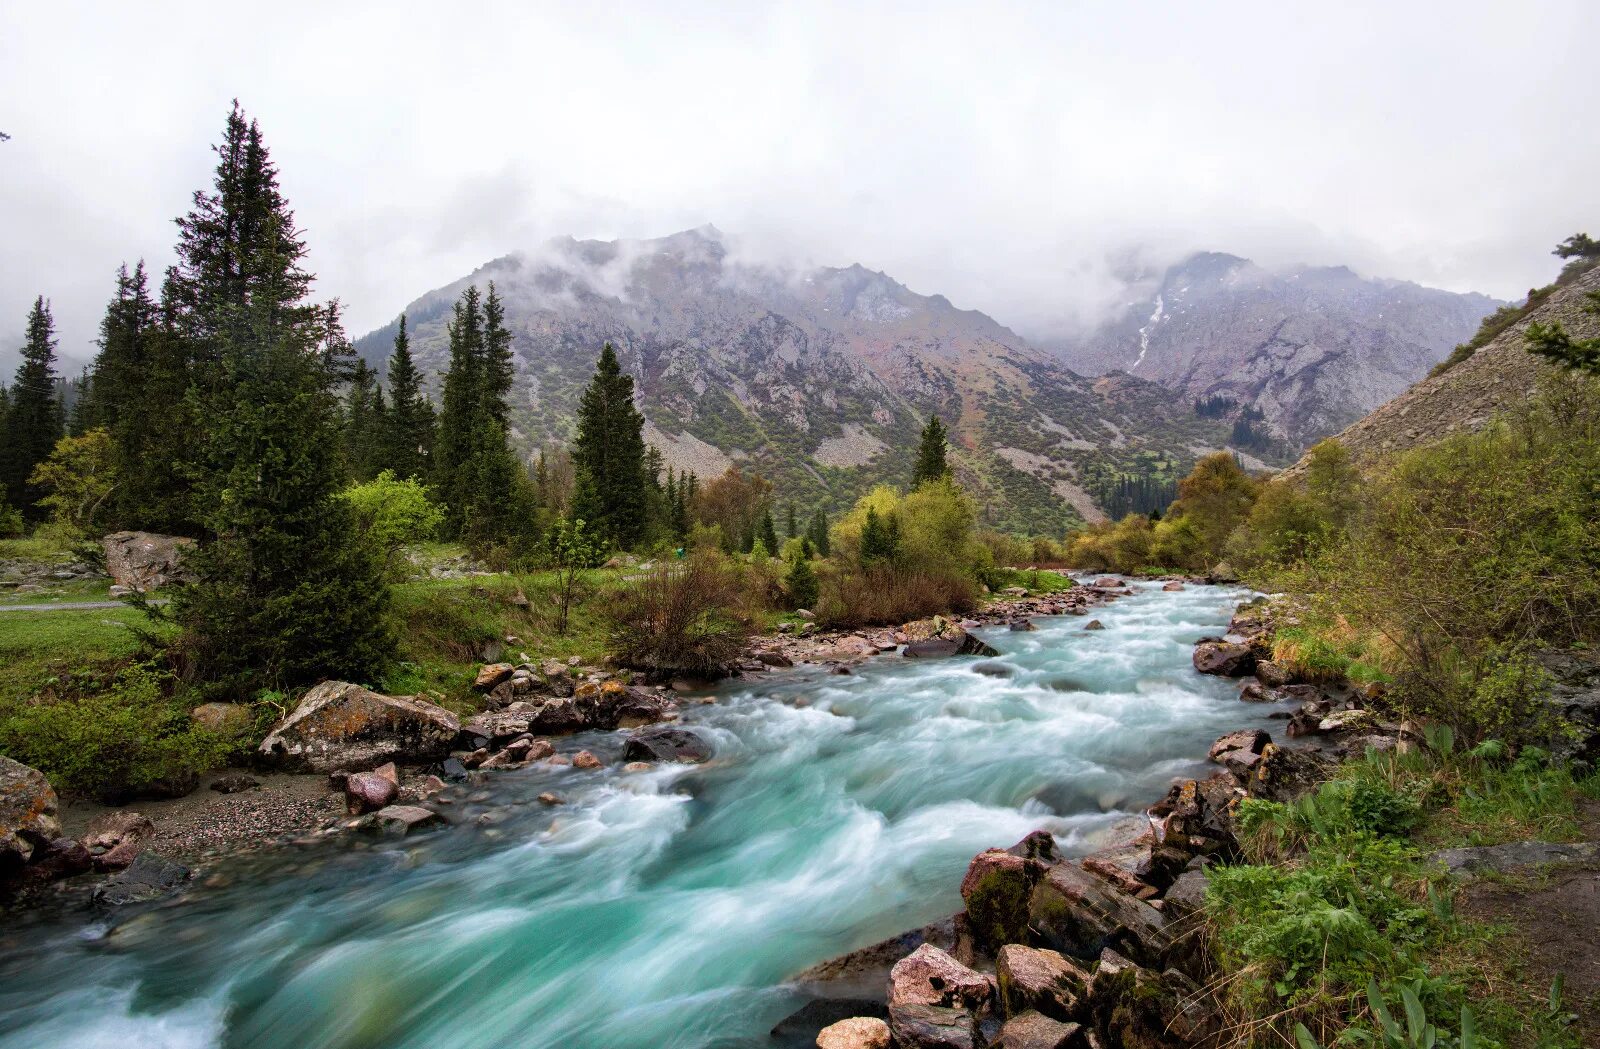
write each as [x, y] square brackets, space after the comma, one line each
[78, 477]
[1463, 557]
[1293, 519]
[393, 513]
[1211, 503]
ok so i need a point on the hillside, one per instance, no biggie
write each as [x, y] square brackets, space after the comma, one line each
[1313, 349]
[818, 380]
[1470, 393]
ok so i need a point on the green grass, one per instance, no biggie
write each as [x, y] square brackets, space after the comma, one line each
[53, 650]
[445, 625]
[1340, 892]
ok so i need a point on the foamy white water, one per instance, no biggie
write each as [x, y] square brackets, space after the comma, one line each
[661, 909]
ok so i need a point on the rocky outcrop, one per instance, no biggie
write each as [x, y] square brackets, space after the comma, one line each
[27, 815]
[1500, 375]
[145, 560]
[338, 725]
[1468, 864]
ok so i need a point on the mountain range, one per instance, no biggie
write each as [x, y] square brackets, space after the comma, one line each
[820, 378]
[1312, 349]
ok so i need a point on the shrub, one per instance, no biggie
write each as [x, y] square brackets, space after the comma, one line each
[134, 737]
[885, 594]
[679, 618]
[79, 476]
[394, 514]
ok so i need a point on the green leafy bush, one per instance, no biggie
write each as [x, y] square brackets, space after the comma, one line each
[394, 514]
[132, 738]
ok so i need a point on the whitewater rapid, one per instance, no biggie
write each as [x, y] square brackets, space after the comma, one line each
[657, 910]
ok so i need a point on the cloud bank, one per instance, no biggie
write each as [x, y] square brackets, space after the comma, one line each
[1021, 159]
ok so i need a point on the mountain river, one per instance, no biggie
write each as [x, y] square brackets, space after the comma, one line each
[661, 909]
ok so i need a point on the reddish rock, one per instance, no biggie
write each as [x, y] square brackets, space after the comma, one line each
[1032, 1030]
[585, 760]
[929, 976]
[368, 792]
[115, 839]
[1042, 980]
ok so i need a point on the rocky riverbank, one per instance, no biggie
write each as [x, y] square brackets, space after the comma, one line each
[1108, 949]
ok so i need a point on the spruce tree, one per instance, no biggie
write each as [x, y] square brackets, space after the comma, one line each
[460, 417]
[157, 450]
[33, 420]
[499, 367]
[931, 462]
[880, 538]
[363, 423]
[608, 453]
[791, 529]
[285, 591]
[409, 426]
[817, 532]
[767, 533]
[120, 368]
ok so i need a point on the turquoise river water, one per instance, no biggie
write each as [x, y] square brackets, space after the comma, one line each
[658, 910]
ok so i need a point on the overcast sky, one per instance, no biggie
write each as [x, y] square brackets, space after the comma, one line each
[1005, 155]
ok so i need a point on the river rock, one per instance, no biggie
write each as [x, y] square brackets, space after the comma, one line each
[27, 814]
[667, 743]
[1347, 720]
[1172, 587]
[932, 1027]
[145, 560]
[1107, 582]
[996, 889]
[234, 784]
[954, 642]
[341, 725]
[856, 1032]
[59, 858]
[992, 668]
[492, 675]
[584, 759]
[1033, 979]
[369, 792]
[1032, 1030]
[929, 976]
[149, 877]
[1186, 895]
[1224, 658]
[1094, 624]
[400, 820]
[1284, 774]
[1252, 740]
[1273, 674]
[115, 839]
[1079, 915]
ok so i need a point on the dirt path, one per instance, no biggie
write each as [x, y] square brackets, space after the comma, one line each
[70, 606]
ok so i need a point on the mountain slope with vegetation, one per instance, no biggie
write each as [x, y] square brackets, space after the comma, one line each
[1499, 375]
[1311, 349]
[818, 380]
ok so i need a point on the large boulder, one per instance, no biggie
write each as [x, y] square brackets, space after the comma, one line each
[1031, 1030]
[953, 642]
[27, 814]
[929, 976]
[1033, 979]
[145, 560]
[933, 1027]
[1079, 915]
[338, 725]
[998, 885]
[1224, 658]
[666, 743]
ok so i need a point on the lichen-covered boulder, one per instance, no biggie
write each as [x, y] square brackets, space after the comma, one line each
[145, 560]
[1079, 915]
[1032, 1030]
[338, 725]
[1041, 980]
[27, 814]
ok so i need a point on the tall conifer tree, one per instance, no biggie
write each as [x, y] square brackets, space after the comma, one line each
[931, 460]
[408, 429]
[33, 421]
[609, 454]
[285, 590]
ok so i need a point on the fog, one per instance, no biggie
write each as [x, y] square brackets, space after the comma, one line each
[1018, 158]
